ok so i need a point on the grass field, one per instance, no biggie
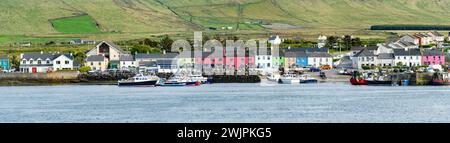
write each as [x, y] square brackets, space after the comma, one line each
[75, 25]
[125, 19]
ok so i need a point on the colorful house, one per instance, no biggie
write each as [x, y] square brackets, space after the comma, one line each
[4, 63]
[433, 57]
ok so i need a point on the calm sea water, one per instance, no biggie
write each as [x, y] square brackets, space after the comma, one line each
[323, 102]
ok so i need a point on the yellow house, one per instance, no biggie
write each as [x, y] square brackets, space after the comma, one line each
[97, 62]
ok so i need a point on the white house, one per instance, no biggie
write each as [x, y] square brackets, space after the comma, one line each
[127, 62]
[317, 59]
[107, 49]
[275, 40]
[45, 62]
[263, 62]
[408, 57]
[385, 60]
[437, 37]
[321, 41]
[365, 57]
[63, 62]
[410, 38]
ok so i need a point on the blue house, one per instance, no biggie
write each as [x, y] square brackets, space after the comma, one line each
[4, 63]
[301, 60]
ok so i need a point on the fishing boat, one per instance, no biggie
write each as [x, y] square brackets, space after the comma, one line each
[381, 80]
[139, 80]
[273, 77]
[176, 80]
[441, 79]
[307, 79]
[197, 78]
[357, 79]
[290, 79]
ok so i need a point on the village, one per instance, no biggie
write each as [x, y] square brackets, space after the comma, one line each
[420, 52]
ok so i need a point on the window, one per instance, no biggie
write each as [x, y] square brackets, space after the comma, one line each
[39, 62]
[48, 61]
[58, 62]
[99, 63]
[31, 61]
[92, 63]
[66, 62]
[24, 61]
[404, 57]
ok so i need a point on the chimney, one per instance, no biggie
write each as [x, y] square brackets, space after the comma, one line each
[42, 52]
[71, 54]
[164, 52]
[21, 55]
[406, 49]
[289, 47]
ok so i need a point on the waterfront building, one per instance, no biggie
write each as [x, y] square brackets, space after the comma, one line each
[318, 59]
[4, 62]
[97, 62]
[408, 57]
[409, 38]
[148, 67]
[291, 59]
[385, 60]
[45, 62]
[433, 57]
[263, 61]
[110, 51]
[365, 57]
[127, 62]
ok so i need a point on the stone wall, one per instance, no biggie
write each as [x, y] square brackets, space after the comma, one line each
[66, 75]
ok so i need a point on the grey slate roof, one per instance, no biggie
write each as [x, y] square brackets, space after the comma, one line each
[386, 56]
[315, 54]
[365, 53]
[433, 52]
[148, 64]
[95, 58]
[44, 56]
[357, 48]
[155, 56]
[295, 54]
[372, 48]
[126, 57]
[113, 46]
[325, 50]
[409, 52]
[164, 62]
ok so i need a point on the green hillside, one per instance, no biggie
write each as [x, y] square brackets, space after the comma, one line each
[18, 17]
[75, 24]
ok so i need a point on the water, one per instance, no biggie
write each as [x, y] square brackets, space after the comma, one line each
[323, 102]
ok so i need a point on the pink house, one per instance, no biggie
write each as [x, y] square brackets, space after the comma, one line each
[210, 60]
[433, 57]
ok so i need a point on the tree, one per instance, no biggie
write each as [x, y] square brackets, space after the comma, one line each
[80, 57]
[331, 41]
[15, 63]
[347, 42]
[356, 42]
[166, 43]
[142, 49]
[150, 42]
[85, 69]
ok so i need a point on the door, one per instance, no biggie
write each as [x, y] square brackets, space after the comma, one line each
[34, 70]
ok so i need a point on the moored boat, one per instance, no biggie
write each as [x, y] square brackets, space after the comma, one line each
[307, 79]
[139, 80]
[290, 79]
[358, 81]
[441, 79]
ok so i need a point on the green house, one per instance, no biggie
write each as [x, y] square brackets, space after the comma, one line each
[4, 63]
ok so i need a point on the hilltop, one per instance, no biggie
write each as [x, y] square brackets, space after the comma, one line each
[25, 17]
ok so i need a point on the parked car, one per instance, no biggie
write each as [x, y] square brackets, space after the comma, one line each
[325, 67]
[314, 69]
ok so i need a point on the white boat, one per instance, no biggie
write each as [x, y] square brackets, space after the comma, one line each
[307, 79]
[197, 78]
[273, 77]
[290, 79]
[139, 80]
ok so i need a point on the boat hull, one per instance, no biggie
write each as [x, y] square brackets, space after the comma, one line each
[143, 83]
[290, 81]
[376, 82]
[309, 81]
[355, 81]
[441, 82]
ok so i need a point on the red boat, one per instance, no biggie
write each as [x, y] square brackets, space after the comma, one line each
[358, 81]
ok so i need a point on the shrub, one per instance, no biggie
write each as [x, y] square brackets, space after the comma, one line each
[85, 69]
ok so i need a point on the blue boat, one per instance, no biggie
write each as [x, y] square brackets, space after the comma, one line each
[307, 79]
